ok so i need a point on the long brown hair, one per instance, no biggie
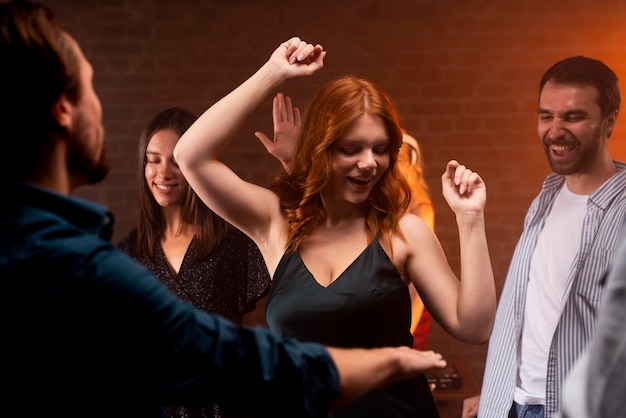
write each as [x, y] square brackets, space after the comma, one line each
[331, 112]
[210, 229]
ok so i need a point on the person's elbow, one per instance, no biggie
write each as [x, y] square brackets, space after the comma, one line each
[478, 332]
[484, 328]
[184, 155]
[482, 324]
[483, 335]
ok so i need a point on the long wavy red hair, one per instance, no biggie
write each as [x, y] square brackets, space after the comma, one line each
[331, 112]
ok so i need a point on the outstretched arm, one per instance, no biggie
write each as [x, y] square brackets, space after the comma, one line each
[362, 370]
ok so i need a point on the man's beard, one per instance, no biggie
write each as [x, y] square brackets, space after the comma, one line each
[99, 171]
[83, 163]
[587, 155]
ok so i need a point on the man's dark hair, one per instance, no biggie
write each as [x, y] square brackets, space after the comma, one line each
[39, 65]
[584, 71]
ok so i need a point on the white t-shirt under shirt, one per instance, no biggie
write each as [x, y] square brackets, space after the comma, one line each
[557, 245]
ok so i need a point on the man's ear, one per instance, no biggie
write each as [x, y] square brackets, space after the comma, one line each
[610, 123]
[62, 112]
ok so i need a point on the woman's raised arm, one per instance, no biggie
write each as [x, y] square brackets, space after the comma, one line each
[249, 207]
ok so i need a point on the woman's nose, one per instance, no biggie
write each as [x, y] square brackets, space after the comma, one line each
[165, 170]
[367, 160]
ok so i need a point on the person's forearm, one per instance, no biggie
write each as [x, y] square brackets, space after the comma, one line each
[208, 136]
[477, 293]
[362, 370]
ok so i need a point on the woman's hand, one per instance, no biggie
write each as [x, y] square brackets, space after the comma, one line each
[463, 189]
[295, 58]
[287, 124]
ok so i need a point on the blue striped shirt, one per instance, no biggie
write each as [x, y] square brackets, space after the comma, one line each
[606, 209]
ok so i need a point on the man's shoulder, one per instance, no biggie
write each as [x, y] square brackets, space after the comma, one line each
[39, 239]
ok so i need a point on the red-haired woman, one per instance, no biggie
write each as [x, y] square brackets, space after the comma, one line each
[334, 228]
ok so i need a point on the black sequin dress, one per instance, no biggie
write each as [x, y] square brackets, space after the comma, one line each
[229, 282]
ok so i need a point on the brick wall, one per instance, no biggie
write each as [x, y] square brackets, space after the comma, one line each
[463, 74]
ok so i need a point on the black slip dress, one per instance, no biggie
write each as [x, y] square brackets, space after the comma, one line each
[368, 305]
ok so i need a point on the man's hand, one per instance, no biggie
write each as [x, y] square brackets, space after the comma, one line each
[362, 370]
[470, 407]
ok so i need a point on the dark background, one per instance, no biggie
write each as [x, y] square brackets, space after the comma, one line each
[463, 73]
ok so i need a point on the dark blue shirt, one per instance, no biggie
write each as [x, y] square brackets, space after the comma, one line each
[89, 332]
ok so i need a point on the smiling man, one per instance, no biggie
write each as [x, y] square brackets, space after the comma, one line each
[546, 314]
